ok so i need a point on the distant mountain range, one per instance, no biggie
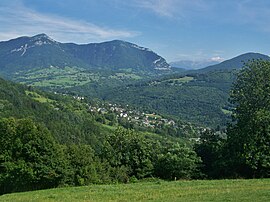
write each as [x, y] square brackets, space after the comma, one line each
[26, 53]
[30, 53]
[236, 62]
[193, 64]
[210, 65]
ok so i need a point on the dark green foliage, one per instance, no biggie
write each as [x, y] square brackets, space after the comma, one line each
[86, 168]
[177, 162]
[66, 118]
[209, 149]
[131, 150]
[249, 137]
[245, 152]
[199, 101]
[29, 157]
[145, 157]
[80, 158]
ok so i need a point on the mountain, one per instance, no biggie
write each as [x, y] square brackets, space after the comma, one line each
[26, 53]
[236, 62]
[40, 51]
[193, 64]
[117, 55]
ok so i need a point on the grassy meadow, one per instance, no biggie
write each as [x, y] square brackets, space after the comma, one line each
[66, 77]
[57, 77]
[199, 190]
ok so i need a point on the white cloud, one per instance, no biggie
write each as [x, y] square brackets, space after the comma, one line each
[240, 12]
[172, 8]
[201, 56]
[18, 20]
[217, 59]
[160, 7]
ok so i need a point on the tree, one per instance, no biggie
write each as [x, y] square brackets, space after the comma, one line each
[85, 168]
[209, 148]
[177, 162]
[81, 163]
[29, 157]
[129, 149]
[249, 136]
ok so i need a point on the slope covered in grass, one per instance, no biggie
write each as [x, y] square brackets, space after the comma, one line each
[201, 190]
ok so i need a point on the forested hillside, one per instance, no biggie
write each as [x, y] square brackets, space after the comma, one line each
[198, 98]
[64, 117]
[50, 140]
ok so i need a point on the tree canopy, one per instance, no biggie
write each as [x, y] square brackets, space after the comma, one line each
[249, 136]
[29, 157]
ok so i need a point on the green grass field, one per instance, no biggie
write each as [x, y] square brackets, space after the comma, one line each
[58, 77]
[225, 111]
[38, 97]
[200, 190]
[125, 75]
[184, 79]
[178, 81]
[67, 77]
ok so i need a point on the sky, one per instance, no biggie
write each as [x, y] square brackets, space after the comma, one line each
[175, 29]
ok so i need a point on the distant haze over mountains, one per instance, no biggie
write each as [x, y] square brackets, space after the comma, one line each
[217, 63]
[236, 62]
[193, 64]
[26, 53]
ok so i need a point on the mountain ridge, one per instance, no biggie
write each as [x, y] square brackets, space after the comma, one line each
[40, 50]
[235, 62]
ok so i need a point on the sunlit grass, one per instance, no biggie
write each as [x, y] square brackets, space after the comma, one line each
[38, 97]
[201, 190]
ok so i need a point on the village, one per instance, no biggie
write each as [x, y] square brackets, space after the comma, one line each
[118, 114]
[151, 120]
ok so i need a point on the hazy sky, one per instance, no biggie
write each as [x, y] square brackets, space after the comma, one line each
[175, 29]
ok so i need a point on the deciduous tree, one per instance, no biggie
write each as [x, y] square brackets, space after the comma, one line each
[248, 144]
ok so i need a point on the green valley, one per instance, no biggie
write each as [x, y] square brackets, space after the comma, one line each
[197, 98]
[116, 117]
[124, 73]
